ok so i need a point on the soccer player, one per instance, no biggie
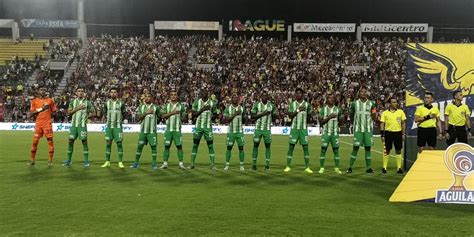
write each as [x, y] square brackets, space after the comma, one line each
[233, 115]
[362, 112]
[299, 111]
[392, 132]
[457, 120]
[427, 118]
[329, 117]
[204, 109]
[42, 109]
[80, 109]
[174, 112]
[113, 111]
[148, 114]
[264, 112]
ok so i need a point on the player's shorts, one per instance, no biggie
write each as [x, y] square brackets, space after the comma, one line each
[426, 136]
[199, 132]
[363, 139]
[266, 134]
[456, 132]
[147, 138]
[78, 132]
[175, 137]
[114, 134]
[393, 139]
[300, 135]
[41, 131]
[330, 139]
[233, 137]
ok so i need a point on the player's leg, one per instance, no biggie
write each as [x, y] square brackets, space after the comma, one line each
[398, 142]
[267, 138]
[142, 140]
[196, 139]
[228, 153]
[210, 145]
[335, 149]
[293, 139]
[108, 146]
[431, 138]
[256, 142]
[38, 133]
[178, 142]
[151, 137]
[461, 134]
[303, 137]
[48, 132]
[387, 148]
[358, 139]
[368, 153]
[73, 134]
[166, 152]
[420, 139]
[322, 155]
[85, 146]
[240, 143]
[118, 137]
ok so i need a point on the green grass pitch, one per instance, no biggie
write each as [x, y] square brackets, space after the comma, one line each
[109, 201]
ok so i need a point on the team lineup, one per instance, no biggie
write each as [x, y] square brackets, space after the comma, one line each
[204, 110]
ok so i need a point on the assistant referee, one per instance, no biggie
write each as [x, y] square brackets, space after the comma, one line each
[392, 132]
[457, 120]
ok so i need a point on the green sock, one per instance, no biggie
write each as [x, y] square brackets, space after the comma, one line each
[212, 155]
[368, 157]
[153, 155]
[290, 155]
[353, 156]
[336, 156]
[194, 153]
[180, 155]
[268, 153]
[70, 149]
[306, 156]
[108, 149]
[254, 155]
[85, 152]
[138, 153]
[228, 155]
[322, 156]
[120, 151]
[166, 153]
[241, 156]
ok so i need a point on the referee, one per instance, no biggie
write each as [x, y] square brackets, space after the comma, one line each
[427, 118]
[457, 120]
[392, 132]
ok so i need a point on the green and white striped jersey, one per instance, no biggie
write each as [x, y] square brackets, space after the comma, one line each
[79, 118]
[148, 124]
[173, 123]
[114, 110]
[204, 120]
[235, 126]
[331, 127]
[362, 113]
[265, 122]
[300, 121]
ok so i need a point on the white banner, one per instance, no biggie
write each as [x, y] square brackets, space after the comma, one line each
[324, 27]
[6, 23]
[64, 127]
[187, 25]
[394, 28]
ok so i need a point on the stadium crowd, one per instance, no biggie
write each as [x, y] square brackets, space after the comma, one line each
[238, 65]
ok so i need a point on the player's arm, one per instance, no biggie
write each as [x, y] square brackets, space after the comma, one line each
[91, 111]
[255, 116]
[438, 125]
[468, 121]
[373, 111]
[322, 120]
[184, 115]
[309, 111]
[167, 115]
[382, 127]
[352, 111]
[292, 112]
[227, 116]
[446, 121]
[72, 110]
[141, 116]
